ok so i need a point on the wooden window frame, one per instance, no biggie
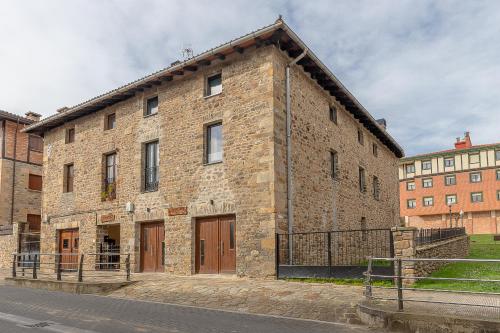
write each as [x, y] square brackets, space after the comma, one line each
[361, 137]
[333, 113]
[69, 187]
[431, 182]
[208, 78]
[408, 203]
[414, 186]
[107, 126]
[475, 173]
[31, 146]
[429, 197]
[450, 195]
[70, 138]
[450, 176]
[207, 139]
[147, 101]
[362, 179]
[425, 162]
[452, 164]
[472, 196]
[30, 182]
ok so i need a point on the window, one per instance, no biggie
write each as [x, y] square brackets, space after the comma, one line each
[151, 166]
[426, 165]
[473, 158]
[428, 201]
[70, 135]
[375, 150]
[362, 180]
[69, 175]
[214, 147]
[475, 177]
[35, 143]
[498, 174]
[110, 168]
[411, 203]
[450, 180]
[35, 182]
[151, 106]
[214, 85]
[497, 155]
[427, 182]
[498, 194]
[410, 186]
[361, 138]
[476, 197]
[333, 114]
[110, 121]
[449, 162]
[410, 168]
[376, 188]
[451, 199]
[334, 164]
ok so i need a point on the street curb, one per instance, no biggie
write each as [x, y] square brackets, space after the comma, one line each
[67, 286]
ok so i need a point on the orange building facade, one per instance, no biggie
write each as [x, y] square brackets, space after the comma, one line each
[457, 187]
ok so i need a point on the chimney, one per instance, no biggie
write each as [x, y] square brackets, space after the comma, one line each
[63, 109]
[465, 143]
[382, 122]
[33, 116]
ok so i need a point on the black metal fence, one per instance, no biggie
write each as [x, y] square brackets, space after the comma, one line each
[428, 236]
[330, 254]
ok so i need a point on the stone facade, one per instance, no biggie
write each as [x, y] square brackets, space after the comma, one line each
[250, 182]
[17, 200]
[405, 247]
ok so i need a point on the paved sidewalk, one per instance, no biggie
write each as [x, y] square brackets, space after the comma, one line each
[325, 302]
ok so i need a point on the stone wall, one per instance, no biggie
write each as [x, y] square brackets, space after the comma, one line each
[405, 247]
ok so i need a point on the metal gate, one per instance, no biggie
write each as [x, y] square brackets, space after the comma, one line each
[334, 254]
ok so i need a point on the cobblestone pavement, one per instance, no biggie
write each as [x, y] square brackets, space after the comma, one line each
[32, 310]
[316, 301]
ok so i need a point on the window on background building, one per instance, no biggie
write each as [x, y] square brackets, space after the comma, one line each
[475, 177]
[361, 137]
[334, 164]
[451, 199]
[476, 197]
[450, 180]
[70, 135]
[151, 166]
[473, 158]
[375, 149]
[449, 162]
[69, 175]
[110, 121]
[362, 179]
[35, 182]
[214, 85]
[333, 114]
[411, 203]
[427, 182]
[428, 201]
[214, 145]
[410, 168]
[151, 106]
[376, 188]
[35, 143]
[498, 195]
[410, 186]
[498, 174]
[497, 155]
[426, 165]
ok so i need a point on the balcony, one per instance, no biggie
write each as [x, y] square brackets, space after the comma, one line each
[109, 191]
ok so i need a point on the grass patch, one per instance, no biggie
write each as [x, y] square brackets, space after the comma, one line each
[482, 247]
[342, 282]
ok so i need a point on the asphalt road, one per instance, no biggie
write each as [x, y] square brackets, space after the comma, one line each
[32, 310]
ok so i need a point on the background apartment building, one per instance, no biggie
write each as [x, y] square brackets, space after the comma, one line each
[186, 169]
[20, 185]
[453, 187]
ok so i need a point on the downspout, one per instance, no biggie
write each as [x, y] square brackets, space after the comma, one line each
[289, 191]
[14, 175]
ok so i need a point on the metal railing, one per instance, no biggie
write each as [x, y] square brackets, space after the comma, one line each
[428, 236]
[151, 179]
[421, 295]
[71, 266]
[109, 189]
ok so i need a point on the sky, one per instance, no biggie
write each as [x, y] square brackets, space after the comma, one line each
[430, 68]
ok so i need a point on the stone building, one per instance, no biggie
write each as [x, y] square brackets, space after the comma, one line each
[456, 187]
[186, 169]
[20, 186]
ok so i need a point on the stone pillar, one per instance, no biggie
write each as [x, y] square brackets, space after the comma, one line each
[405, 247]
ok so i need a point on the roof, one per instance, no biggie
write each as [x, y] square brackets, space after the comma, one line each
[15, 117]
[451, 151]
[278, 34]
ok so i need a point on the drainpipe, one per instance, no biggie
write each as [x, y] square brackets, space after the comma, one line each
[14, 175]
[289, 192]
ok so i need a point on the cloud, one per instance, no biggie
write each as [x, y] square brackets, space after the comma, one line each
[430, 68]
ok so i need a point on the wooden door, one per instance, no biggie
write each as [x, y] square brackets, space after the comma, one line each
[215, 245]
[68, 248]
[152, 247]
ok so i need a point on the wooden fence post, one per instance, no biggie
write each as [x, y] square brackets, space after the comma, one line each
[58, 266]
[80, 269]
[14, 262]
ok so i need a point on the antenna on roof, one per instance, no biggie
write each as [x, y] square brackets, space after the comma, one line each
[187, 51]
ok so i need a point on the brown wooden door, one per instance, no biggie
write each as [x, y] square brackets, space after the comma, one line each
[69, 242]
[152, 247]
[215, 245]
